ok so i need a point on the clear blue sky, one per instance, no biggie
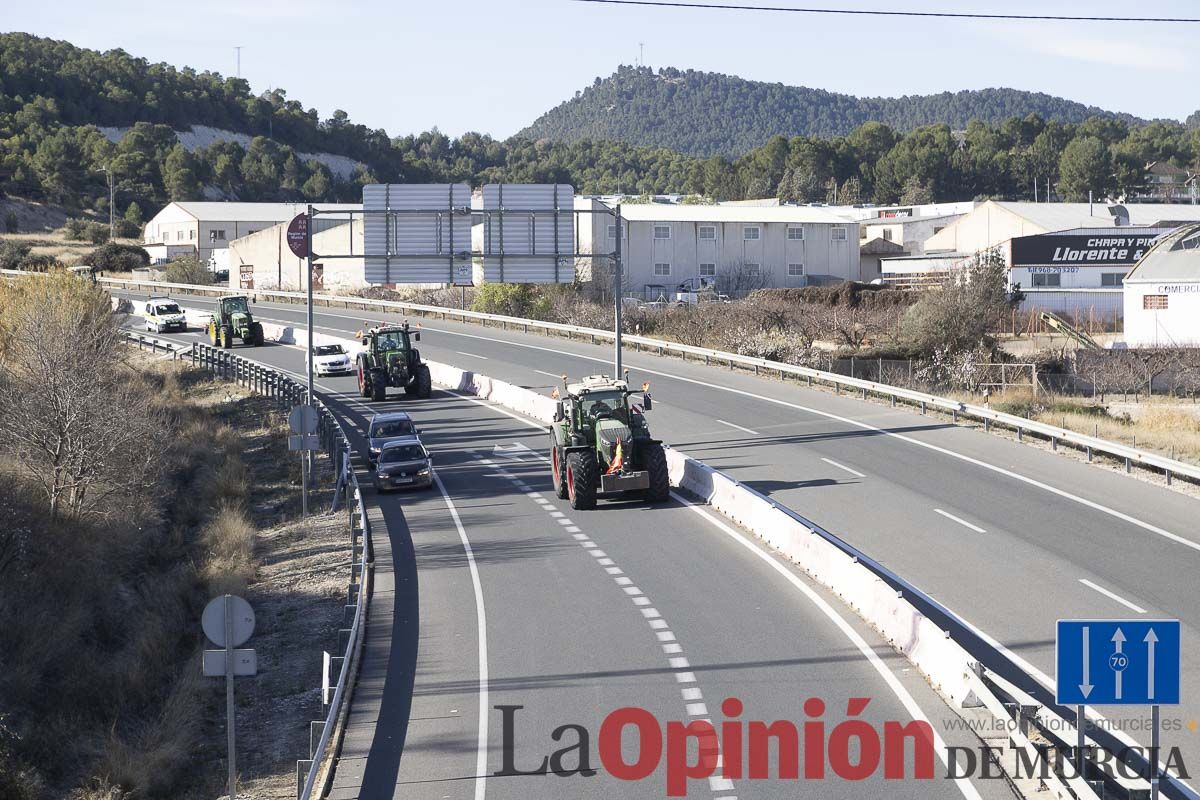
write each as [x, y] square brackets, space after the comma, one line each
[495, 65]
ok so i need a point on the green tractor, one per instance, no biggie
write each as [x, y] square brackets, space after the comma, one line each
[388, 358]
[601, 444]
[232, 319]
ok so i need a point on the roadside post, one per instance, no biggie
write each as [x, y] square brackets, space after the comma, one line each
[1118, 662]
[228, 621]
[618, 286]
[302, 421]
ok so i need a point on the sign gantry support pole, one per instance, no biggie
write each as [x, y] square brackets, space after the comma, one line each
[1081, 739]
[618, 283]
[306, 455]
[229, 707]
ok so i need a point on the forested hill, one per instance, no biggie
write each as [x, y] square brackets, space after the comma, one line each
[707, 113]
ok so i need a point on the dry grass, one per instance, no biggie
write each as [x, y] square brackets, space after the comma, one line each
[1170, 429]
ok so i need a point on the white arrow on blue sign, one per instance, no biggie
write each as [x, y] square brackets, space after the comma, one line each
[1117, 662]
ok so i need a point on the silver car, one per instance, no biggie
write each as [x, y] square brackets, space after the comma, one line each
[386, 427]
[404, 464]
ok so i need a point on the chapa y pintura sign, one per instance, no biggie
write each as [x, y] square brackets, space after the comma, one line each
[1108, 249]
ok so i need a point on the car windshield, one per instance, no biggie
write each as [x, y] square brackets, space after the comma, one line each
[404, 452]
[385, 430]
[167, 308]
[237, 305]
[328, 350]
[611, 403]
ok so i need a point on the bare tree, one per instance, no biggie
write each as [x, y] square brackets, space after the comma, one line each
[740, 278]
[73, 419]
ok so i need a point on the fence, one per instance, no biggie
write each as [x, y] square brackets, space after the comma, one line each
[313, 773]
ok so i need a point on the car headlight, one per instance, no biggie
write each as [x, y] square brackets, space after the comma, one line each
[424, 472]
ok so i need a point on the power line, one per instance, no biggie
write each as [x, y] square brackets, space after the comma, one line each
[875, 13]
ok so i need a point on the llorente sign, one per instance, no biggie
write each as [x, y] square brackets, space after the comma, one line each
[1029, 251]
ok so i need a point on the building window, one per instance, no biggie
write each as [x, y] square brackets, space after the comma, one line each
[216, 236]
[179, 236]
[862, 233]
[708, 232]
[754, 269]
[662, 269]
[1154, 302]
[751, 233]
[612, 231]
[708, 270]
[662, 231]
[1112, 278]
[191, 235]
[887, 234]
[795, 270]
[1045, 280]
[838, 234]
[796, 234]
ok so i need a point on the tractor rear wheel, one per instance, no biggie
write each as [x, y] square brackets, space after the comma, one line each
[556, 470]
[378, 386]
[583, 477]
[422, 383]
[655, 462]
[226, 336]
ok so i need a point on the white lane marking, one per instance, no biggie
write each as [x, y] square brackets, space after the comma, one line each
[651, 613]
[833, 463]
[481, 633]
[739, 427]
[1112, 595]
[550, 374]
[471, 355]
[905, 698]
[960, 521]
[692, 694]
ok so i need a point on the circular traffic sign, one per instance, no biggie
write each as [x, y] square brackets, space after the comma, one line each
[213, 620]
[297, 235]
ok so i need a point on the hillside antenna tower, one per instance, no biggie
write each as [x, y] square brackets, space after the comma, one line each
[238, 48]
[641, 54]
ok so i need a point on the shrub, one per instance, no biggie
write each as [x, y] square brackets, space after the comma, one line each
[511, 299]
[846, 293]
[957, 317]
[10, 222]
[84, 230]
[188, 270]
[128, 230]
[12, 254]
[113, 257]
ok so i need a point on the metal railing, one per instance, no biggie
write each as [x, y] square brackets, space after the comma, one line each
[1091, 445]
[313, 773]
[154, 344]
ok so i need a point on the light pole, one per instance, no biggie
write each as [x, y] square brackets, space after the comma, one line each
[111, 225]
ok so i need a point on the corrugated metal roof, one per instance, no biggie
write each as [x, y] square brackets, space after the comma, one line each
[254, 212]
[642, 212]
[1175, 259]
[1061, 216]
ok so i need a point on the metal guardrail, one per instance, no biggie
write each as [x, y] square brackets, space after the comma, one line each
[1092, 445]
[176, 349]
[314, 772]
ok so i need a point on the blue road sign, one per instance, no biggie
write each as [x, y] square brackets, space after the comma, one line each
[1109, 662]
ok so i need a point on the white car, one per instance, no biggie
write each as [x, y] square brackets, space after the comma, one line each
[331, 359]
[164, 314]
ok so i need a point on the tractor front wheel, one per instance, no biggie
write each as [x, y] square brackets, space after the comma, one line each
[378, 386]
[655, 462]
[583, 478]
[422, 383]
[364, 380]
[213, 336]
[556, 470]
[256, 335]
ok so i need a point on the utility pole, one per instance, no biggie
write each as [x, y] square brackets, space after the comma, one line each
[238, 48]
[111, 199]
[618, 300]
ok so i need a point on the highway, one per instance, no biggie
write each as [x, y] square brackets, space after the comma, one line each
[579, 614]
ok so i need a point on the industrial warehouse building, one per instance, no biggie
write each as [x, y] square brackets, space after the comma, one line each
[1162, 293]
[204, 228]
[741, 247]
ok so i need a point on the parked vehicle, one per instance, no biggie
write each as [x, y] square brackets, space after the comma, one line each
[388, 427]
[404, 464]
[331, 359]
